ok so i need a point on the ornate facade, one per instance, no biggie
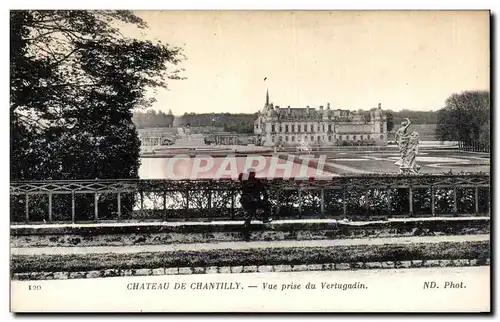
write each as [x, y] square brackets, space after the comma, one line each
[292, 126]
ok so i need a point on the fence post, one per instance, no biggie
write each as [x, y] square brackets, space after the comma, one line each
[299, 194]
[278, 205]
[50, 207]
[477, 199]
[410, 197]
[344, 200]
[322, 201]
[433, 201]
[454, 200]
[165, 206]
[27, 208]
[119, 197]
[233, 197]
[73, 217]
[96, 206]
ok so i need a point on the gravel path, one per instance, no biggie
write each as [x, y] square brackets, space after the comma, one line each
[242, 245]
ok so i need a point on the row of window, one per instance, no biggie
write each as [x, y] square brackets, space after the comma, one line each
[287, 128]
[292, 138]
[301, 128]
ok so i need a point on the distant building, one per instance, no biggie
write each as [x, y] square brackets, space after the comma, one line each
[169, 135]
[154, 136]
[292, 126]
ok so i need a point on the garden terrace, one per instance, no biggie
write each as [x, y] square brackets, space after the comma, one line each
[353, 197]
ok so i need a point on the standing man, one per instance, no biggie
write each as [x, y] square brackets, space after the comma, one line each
[254, 199]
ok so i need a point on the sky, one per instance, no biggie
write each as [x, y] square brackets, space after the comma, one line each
[350, 59]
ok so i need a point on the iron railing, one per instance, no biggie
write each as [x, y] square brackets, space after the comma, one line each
[474, 147]
[349, 196]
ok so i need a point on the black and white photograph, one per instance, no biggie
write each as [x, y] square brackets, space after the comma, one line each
[250, 161]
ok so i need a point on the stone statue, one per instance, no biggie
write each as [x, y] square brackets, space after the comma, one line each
[402, 131]
[411, 153]
[408, 148]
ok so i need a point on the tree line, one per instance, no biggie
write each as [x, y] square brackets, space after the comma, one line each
[416, 117]
[466, 118]
[153, 118]
[238, 123]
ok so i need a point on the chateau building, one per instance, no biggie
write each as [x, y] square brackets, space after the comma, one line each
[295, 126]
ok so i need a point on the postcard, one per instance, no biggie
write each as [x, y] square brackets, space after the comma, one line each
[250, 161]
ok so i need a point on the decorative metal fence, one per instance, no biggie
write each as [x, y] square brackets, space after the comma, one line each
[474, 147]
[167, 200]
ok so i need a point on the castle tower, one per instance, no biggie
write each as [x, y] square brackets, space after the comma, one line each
[379, 125]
